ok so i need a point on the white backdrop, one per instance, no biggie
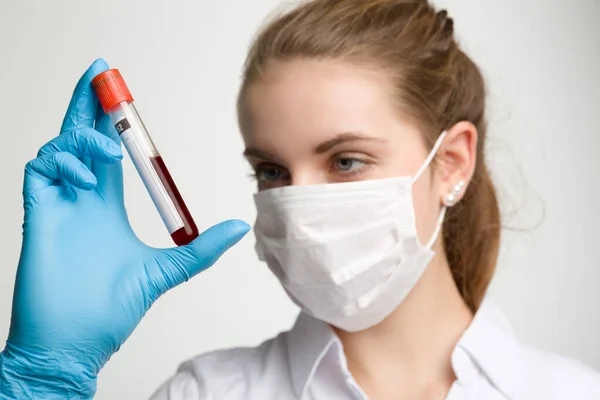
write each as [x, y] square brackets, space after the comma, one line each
[182, 61]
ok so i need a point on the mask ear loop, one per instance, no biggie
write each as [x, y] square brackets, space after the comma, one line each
[438, 227]
[430, 156]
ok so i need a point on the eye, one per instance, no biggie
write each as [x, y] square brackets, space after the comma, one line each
[270, 173]
[345, 164]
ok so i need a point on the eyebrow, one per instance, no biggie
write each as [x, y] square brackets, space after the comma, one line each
[324, 147]
[344, 138]
[256, 153]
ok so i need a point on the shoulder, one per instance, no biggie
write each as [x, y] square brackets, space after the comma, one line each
[236, 373]
[519, 371]
[550, 376]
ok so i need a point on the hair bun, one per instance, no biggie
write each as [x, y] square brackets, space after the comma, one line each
[445, 23]
[443, 33]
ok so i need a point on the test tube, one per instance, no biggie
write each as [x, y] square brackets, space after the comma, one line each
[117, 101]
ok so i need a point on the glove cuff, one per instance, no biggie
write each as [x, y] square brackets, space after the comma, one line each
[30, 376]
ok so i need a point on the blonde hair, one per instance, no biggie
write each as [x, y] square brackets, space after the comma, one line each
[434, 82]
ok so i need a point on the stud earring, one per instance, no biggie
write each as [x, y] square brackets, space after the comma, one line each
[452, 197]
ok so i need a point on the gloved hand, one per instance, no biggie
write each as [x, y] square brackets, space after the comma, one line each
[84, 280]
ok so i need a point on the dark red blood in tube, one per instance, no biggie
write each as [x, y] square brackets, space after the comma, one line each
[189, 231]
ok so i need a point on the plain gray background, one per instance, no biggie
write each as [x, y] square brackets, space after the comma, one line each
[182, 61]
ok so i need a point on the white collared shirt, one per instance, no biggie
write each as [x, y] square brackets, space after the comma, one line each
[308, 363]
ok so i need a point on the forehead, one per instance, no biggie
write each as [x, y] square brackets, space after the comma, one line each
[316, 97]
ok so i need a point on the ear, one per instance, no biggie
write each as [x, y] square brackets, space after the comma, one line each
[456, 162]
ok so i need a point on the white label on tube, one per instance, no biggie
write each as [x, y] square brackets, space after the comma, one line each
[163, 203]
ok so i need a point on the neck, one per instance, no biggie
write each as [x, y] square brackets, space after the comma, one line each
[409, 353]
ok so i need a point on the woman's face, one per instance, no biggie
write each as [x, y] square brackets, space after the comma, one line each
[309, 122]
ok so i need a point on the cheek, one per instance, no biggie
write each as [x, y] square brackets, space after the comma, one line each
[427, 206]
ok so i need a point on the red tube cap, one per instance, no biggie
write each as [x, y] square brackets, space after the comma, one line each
[111, 89]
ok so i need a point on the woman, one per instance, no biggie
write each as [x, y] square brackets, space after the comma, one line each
[364, 122]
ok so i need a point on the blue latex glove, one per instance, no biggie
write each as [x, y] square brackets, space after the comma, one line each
[84, 279]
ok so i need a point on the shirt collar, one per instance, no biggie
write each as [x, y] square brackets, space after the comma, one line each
[491, 344]
[488, 345]
[308, 342]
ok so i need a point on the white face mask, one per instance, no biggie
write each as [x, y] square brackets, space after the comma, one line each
[346, 253]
